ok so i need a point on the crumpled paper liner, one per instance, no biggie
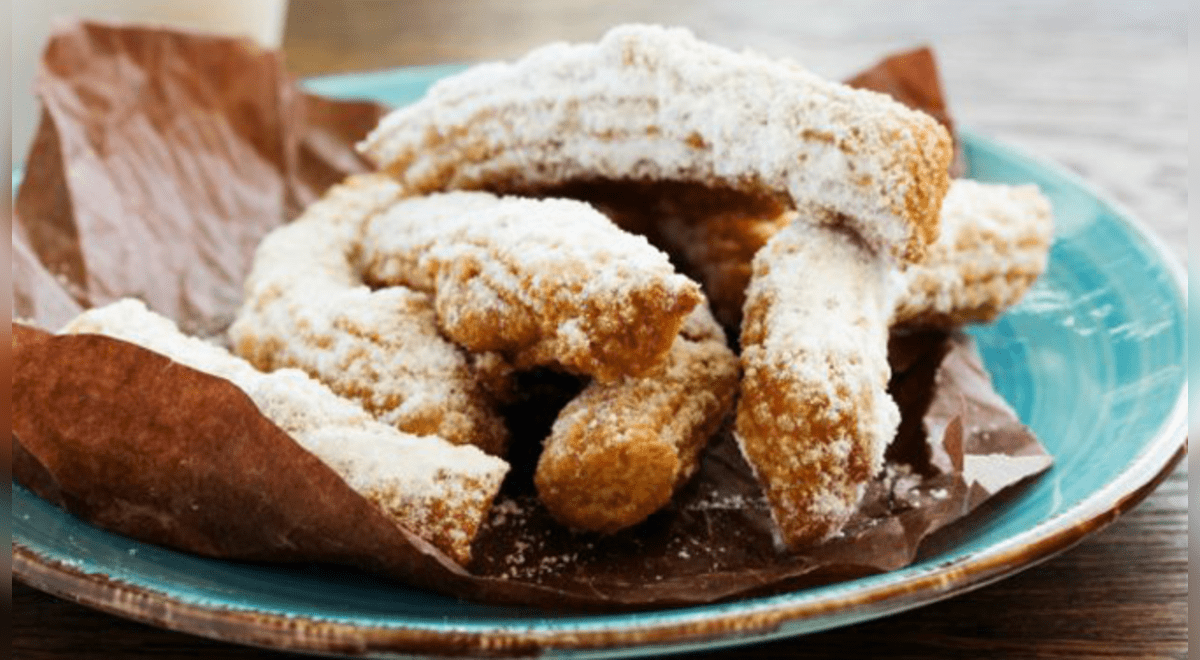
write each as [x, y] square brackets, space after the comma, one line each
[162, 159]
[714, 541]
[133, 442]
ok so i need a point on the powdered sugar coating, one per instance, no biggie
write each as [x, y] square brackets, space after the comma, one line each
[439, 491]
[619, 451]
[545, 282]
[306, 306]
[995, 243]
[648, 103]
[814, 417]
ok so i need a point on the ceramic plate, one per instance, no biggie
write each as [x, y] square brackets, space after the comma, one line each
[1093, 360]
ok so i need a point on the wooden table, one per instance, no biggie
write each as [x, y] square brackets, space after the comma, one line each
[1100, 87]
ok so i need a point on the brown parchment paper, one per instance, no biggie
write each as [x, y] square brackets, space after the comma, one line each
[162, 158]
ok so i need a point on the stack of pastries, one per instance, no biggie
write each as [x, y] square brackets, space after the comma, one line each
[386, 328]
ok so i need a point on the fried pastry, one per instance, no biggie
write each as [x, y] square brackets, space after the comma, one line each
[653, 104]
[719, 250]
[711, 234]
[995, 243]
[438, 491]
[306, 306]
[619, 451]
[814, 416]
[549, 282]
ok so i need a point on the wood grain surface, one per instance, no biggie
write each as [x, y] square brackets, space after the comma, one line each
[1100, 87]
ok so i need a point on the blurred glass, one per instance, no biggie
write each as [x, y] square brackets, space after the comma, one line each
[6, 57]
[31, 21]
[6, 454]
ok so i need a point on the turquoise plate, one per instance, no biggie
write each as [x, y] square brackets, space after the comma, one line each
[1094, 360]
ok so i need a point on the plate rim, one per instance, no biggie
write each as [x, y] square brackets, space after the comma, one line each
[761, 623]
[706, 626]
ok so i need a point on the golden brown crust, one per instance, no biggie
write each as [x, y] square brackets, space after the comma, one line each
[814, 415]
[306, 307]
[995, 244]
[618, 452]
[647, 103]
[548, 282]
[811, 492]
[929, 170]
[439, 491]
[711, 234]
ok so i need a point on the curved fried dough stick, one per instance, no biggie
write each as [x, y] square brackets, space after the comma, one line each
[545, 282]
[306, 307]
[440, 492]
[618, 452]
[814, 415]
[647, 103]
[994, 244]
